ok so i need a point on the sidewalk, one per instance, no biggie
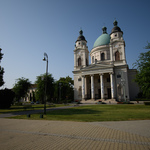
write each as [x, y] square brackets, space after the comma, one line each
[4, 115]
[16, 134]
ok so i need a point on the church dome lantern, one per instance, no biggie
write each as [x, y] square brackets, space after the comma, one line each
[103, 39]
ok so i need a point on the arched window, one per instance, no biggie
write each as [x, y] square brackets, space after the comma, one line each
[92, 59]
[80, 91]
[86, 62]
[117, 56]
[102, 56]
[79, 61]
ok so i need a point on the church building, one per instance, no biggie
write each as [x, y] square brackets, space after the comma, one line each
[108, 75]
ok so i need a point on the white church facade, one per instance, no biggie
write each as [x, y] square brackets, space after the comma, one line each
[108, 75]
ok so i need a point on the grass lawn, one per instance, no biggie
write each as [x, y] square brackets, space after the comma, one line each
[21, 108]
[91, 113]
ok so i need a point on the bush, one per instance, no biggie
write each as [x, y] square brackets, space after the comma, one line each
[125, 103]
[18, 104]
[142, 99]
[147, 103]
[119, 102]
[6, 98]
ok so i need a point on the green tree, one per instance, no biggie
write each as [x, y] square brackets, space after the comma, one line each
[6, 98]
[143, 75]
[40, 91]
[21, 88]
[64, 89]
[1, 70]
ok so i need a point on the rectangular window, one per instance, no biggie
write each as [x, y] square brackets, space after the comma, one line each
[79, 79]
[92, 59]
[118, 76]
[108, 79]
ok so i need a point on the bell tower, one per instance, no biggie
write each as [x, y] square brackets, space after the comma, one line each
[117, 45]
[81, 53]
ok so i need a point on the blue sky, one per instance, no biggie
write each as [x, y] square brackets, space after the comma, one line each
[28, 28]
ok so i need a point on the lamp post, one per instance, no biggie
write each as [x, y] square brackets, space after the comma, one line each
[45, 59]
[60, 91]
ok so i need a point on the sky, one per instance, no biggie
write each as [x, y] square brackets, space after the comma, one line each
[30, 28]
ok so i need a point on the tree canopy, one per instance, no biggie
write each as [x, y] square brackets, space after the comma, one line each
[21, 88]
[6, 98]
[40, 91]
[64, 89]
[143, 75]
[1, 70]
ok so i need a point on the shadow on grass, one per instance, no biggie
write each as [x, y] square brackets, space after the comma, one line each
[19, 109]
[73, 112]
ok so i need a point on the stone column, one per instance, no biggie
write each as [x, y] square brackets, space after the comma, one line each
[102, 86]
[92, 87]
[112, 85]
[83, 87]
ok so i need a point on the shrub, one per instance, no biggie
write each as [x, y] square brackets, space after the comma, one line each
[6, 98]
[142, 99]
[124, 103]
[119, 102]
[147, 103]
[18, 104]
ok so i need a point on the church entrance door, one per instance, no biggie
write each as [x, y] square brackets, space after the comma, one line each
[90, 94]
[109, 93]
[99, 93]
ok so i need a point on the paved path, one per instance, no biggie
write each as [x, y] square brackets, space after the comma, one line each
[31, 111]
[19, 134]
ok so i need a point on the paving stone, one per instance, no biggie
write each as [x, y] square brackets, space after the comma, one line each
[19, 134]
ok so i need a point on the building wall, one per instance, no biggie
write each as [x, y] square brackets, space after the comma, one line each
[122, 86]
[77, 87]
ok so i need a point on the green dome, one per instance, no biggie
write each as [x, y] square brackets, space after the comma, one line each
[104, 39]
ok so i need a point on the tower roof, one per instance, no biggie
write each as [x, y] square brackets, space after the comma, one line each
[115, 28]
[103, 39]
[81, 37]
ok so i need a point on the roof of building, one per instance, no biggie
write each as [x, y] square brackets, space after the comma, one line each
[103, 39]
[81, 37]
[115, 28]
[33, 86]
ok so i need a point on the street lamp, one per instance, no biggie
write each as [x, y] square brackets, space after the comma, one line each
[45, 59]
[60, 91]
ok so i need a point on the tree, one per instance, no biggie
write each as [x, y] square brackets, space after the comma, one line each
[6, 98]
[1, 70]
[64, 89]
[143, 75]
[21, 88]
[40, 91]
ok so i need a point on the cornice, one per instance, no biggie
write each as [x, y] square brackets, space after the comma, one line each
[99, 48]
